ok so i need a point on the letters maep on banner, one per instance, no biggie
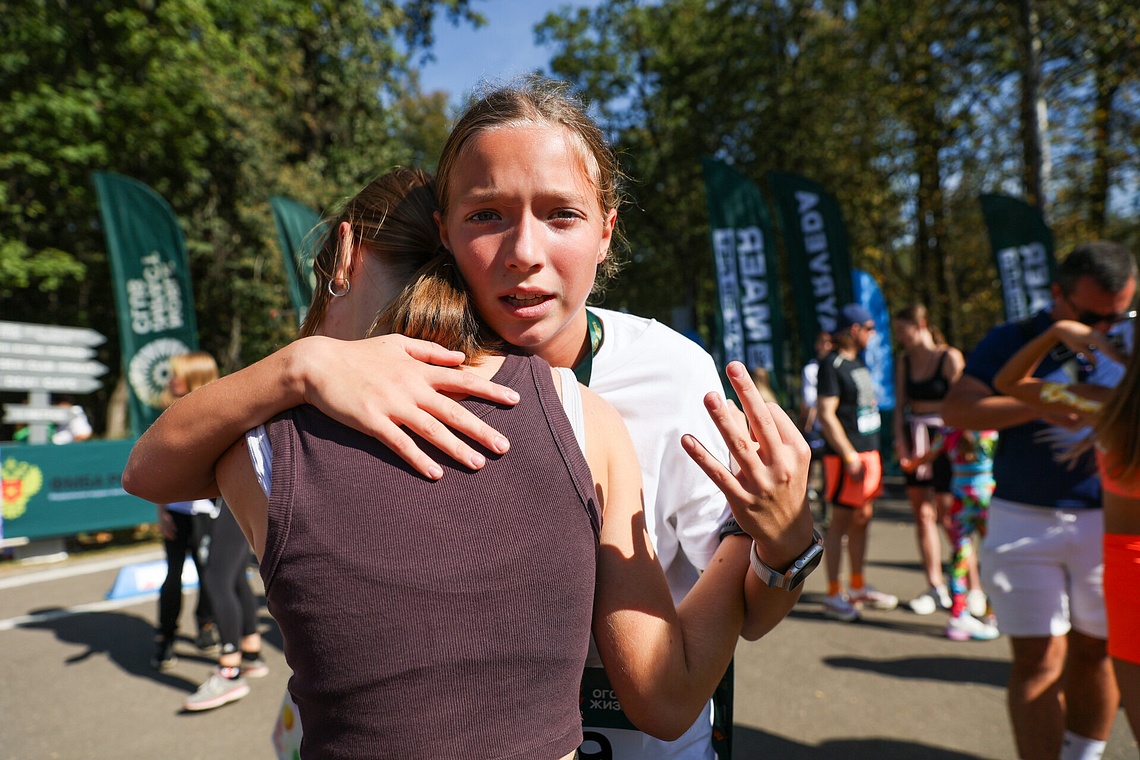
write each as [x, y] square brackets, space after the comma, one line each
[752, 326]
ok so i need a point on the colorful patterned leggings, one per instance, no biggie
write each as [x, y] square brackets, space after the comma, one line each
[967, 515]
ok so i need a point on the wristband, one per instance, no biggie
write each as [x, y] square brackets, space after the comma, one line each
[849, 458]
[731, 528]
[791, 578]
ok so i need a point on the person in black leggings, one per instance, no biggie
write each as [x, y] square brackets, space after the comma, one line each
[235, 610]
[183, 525]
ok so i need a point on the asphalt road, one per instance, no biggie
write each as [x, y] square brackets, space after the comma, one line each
[75, 683]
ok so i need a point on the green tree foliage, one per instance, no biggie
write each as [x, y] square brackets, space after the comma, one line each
[904, 111]
[216, 105]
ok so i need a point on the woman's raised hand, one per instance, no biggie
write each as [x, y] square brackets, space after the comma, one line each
[768, 482]
[382, 385]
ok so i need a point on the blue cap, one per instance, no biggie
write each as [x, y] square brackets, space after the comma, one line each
[852, 314]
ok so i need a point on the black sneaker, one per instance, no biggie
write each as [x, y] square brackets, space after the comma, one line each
[208, 640]
[164, 657]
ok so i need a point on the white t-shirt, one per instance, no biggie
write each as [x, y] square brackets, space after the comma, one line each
[657, 380]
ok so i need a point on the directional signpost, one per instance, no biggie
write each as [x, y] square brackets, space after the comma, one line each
[46, 359]
[22, 414]
[55, 491]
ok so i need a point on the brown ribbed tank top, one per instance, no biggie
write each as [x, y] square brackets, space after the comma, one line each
[434, 619]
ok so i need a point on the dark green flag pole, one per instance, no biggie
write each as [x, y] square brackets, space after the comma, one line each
[153, 295]
[819, 261]
[298, 230]
[751, 321]
[1022, 245]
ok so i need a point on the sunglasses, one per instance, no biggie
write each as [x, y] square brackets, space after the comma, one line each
[1092, 318]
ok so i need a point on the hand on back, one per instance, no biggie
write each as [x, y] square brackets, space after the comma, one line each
[390, 386]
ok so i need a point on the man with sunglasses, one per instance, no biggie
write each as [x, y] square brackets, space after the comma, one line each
[1042, 559]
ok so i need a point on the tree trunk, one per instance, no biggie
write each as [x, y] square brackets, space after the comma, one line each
[1102, 142]
[117, 411]
[1032, 105]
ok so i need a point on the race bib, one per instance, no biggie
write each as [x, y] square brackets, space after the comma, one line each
[867, 420]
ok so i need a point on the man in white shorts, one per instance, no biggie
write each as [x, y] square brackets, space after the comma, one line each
[1041, 559]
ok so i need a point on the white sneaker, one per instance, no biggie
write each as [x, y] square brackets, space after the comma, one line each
[977, 603]
[837, 607]
[966, 627]
[869, 596]
[929, 601]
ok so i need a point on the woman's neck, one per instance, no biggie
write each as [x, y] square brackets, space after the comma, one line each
[569, 346]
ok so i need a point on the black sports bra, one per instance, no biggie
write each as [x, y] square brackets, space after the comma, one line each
[934, 389]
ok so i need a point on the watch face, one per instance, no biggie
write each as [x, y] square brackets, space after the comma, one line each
[809, 563]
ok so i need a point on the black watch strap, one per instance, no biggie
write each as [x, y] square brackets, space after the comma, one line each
[731, 528]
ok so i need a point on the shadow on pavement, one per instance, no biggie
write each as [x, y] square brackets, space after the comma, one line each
[810, 608]
[750, 743]
[127, 640]
[949, 669]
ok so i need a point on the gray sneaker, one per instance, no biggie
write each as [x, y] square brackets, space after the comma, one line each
[208, 640]
[837, 607]
[217, 691]
[255, 668]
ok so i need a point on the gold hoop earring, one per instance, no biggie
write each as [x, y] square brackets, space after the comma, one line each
[347, 287]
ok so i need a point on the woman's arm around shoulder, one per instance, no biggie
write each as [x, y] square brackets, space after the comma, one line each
[175, 458]
[377, 386]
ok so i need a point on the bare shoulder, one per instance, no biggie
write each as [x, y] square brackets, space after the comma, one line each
[610, 452]
[242, 492]
[604, 426]
[599, 413]
[955, 362]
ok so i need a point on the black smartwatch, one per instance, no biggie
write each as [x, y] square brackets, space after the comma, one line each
[799, 570]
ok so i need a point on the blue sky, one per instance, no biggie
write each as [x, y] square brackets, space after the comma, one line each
[503, 48]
